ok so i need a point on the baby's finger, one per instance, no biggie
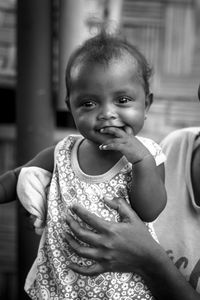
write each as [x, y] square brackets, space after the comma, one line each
[128, 130]
[118, 132]
[38, 222]
[113, 145]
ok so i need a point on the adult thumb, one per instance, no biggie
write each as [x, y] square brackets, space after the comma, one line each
[123, 208]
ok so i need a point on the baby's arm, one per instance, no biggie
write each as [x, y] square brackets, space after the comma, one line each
[148, 194]
[8, 180]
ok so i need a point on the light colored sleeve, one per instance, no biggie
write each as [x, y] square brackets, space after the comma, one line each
[155, 150]
[157, 153]
[32, 188]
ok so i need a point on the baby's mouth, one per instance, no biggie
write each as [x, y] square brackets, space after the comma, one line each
[103, 129]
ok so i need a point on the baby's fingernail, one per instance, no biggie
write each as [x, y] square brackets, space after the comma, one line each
[102, 147]
[102, 130]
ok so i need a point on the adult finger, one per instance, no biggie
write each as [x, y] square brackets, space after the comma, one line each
[85, 235]
[91, 219]
[124, 209]
[89, 270]
[83, 250]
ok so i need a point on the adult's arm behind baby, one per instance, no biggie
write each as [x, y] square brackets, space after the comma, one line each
[8, 180]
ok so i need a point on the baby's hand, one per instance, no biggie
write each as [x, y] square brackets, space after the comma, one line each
[124, 141]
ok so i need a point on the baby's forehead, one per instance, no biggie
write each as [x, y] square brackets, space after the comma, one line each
[82, 65]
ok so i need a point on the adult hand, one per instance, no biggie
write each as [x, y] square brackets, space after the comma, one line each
[115, 247]
[127, 247]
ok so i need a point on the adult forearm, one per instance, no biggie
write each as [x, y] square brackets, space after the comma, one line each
[165, 280]
[8, 182]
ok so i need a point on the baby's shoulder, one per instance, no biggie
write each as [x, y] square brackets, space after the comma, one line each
[66, 145]
[68, 142]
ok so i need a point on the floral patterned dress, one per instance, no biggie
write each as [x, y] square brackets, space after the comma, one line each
[50, 277]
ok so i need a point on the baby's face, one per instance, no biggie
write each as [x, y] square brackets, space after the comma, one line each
[108, 96]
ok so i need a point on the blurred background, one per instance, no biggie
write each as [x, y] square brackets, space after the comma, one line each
[36, 39]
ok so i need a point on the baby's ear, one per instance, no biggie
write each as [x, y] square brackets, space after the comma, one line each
[67, 103]
[149, 100]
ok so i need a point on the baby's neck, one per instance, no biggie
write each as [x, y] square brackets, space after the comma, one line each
[94, 161]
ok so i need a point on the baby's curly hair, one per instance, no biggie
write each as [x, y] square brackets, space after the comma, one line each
[101, 49]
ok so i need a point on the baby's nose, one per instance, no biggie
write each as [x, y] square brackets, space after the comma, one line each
[107, 113]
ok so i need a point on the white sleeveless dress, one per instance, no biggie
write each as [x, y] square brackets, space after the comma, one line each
[50, 277]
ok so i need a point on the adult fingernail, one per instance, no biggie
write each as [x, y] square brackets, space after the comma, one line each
[108, 197]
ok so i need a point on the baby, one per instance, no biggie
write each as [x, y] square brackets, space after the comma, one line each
[108, 95]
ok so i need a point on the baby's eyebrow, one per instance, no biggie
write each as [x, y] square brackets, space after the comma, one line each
[83, 96]
[124, 91]
[120, 92]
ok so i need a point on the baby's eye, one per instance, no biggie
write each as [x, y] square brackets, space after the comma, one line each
[88, 104]
[124, 99]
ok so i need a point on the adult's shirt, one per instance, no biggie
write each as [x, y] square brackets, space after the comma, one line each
[178, 226]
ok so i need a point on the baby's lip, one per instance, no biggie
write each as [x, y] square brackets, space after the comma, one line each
[109, 126]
